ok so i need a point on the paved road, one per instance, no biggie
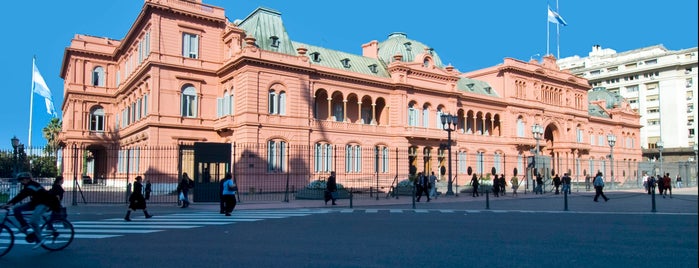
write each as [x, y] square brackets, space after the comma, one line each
[456, 232]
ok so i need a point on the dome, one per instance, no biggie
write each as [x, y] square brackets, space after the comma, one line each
[398, 43]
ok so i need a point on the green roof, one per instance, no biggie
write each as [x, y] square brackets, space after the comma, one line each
[601, 93]
[475, 86]
[337, 59]
[398, 43]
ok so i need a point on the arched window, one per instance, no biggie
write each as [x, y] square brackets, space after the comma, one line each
[425, 117]
[97, 119]
[439, 118]
[188, 104]
[413, 117]
[322, 157]
[277, 102]
[520, 127]
[98, 76]
[276, 156]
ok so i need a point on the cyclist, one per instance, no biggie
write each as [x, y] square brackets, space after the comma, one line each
[41, 201]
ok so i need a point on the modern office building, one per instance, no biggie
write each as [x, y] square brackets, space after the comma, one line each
[658, 84]
[184, 74]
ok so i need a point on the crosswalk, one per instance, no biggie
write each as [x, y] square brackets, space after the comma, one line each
[115, 227]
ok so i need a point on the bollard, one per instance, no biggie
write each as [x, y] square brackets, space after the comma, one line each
[652, 198]
[565, 200]
[351, 198]
[487, 200]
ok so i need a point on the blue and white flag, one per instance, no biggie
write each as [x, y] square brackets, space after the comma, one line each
[40, 87]
[555, 18]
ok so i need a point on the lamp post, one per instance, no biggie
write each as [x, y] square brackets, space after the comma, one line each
[612, 141]
[537, 132]
[449, 123]
[15, 144]
[660, 144]
[696, 172]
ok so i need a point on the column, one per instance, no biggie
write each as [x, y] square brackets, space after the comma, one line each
[330, 110]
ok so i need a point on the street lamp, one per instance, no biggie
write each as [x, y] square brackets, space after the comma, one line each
[660, 144]
[15, 144]
[696, 174]
[612, 140]
[538, 132]
[449, 123]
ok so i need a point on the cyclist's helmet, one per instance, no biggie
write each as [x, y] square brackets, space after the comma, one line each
[24, 175]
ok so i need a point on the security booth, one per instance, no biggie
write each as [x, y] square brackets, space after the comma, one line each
[211, 163]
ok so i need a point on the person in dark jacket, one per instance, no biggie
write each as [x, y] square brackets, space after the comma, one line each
[331, 189]
[57, 188]
[136, 200]
[149, 189]
[183, 188]
[496, 186]
[503, 184]
[556, 183]
[474, 184]
[40, 202]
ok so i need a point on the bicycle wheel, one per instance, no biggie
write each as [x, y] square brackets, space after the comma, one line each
[7, 240]
[57, 234]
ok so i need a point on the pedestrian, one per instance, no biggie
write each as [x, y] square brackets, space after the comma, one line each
[136, 200]
[40, 201]
[667, 185]
[496, 186]
[230, 189]
[331, 189]
[57, 188]
[183, 189]
[678, 180]
[599, 186]
[556, 182]
[433, 185]
[587, 183]
[149, 188]
[222, 202]
[566, 180]
[651, 184]
[645, 182]
[422, 185]
[660, 184]
[503, 184]
[515, 184]
[539, 184]
[474, 184]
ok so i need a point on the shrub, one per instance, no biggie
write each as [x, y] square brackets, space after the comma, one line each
[320, 185]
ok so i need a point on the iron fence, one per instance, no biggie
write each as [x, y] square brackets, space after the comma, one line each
[277, 171]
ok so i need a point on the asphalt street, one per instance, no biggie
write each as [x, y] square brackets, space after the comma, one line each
[526, 231]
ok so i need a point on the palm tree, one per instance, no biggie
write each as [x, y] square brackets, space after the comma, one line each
[50, 133]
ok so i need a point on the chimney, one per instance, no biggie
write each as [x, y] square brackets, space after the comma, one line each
[371, 49]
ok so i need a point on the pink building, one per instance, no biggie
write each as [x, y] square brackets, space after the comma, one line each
[184, 73]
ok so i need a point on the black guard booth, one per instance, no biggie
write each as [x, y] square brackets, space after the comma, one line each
[211, 163]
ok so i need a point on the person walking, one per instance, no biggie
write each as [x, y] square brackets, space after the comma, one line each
[433, 186]
[474, 184]
[331, 189]
[566, 180]
[230, 189]
[515, 184]
[667, 185]
[136, 200]
[503, 184]
[222, 202]
[149, 188]
[678, 180]
[660, 184]
[599, 186]
[183, 189]
[539, 184]
[556, 182]
[496, 186]
[651, 184]
[587, 183]
[422, 186]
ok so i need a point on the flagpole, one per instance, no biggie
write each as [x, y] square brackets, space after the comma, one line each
[548, 36]
[558, 35]
[31, 104]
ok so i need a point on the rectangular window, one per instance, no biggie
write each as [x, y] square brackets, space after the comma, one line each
[461, 158]
[651, 62]
[580, 136]
[631, 89]
[145, 105]
[600, 140]
[592, 139]
[384, 155]
[688, 82]
[479, 162]
[190, 45]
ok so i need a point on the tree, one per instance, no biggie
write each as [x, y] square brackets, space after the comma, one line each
[50, 132]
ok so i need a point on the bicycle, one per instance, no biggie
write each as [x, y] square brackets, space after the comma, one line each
[56, 231]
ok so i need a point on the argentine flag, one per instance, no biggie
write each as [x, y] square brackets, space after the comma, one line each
[42, 89]
[555, 18]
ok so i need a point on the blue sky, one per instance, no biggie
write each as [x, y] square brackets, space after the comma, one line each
[470, 35]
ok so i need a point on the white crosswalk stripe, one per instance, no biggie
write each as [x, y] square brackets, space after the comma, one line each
[108, 228]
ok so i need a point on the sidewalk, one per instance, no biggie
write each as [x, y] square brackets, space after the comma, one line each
[621, 201]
